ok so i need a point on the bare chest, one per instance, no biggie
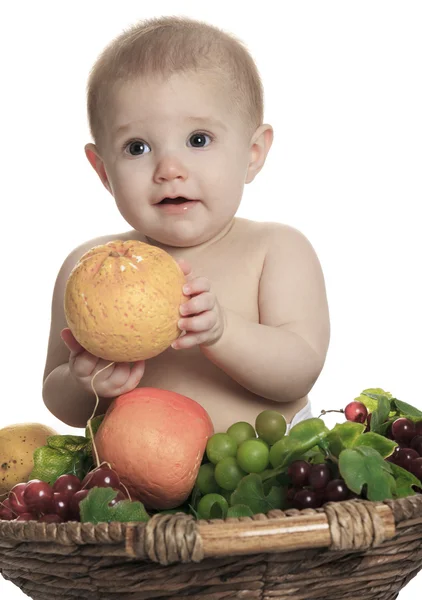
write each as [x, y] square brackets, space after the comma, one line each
[234, 270]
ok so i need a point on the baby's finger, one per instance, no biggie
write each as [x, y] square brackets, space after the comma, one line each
[136, 374]
[70, 341]
[189, 341]
[203, 322]
[198, 304]
[197, 286]
[120, 373]
[84, 364]
[133, 377]
[184, 265]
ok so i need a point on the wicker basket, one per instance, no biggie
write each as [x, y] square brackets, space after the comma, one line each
[339, 551]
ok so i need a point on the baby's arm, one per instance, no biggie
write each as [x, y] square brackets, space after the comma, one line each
[281, 357]
[69, 368]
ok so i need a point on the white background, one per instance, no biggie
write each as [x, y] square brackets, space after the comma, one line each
[344, 95]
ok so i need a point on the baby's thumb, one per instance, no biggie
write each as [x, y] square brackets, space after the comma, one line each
[70, 341]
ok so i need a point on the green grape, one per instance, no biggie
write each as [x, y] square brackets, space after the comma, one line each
[228, 473]
[219, 446]
[226, 494]
[263, 442]
[212, 506]
[241, 431]
[205, 480]
[271, 426]
[253, 456]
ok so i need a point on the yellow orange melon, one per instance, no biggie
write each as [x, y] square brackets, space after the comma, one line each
[122, 300]
[155, 439]
[17, 445]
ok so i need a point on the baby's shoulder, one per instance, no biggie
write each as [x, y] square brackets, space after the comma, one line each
[270, 233]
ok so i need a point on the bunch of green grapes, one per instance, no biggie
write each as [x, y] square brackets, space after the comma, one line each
[243, 449]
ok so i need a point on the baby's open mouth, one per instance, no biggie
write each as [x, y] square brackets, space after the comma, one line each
[178, 200]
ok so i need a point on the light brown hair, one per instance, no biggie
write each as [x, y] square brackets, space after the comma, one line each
[164, 45]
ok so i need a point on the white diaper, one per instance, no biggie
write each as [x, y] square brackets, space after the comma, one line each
[304, 413]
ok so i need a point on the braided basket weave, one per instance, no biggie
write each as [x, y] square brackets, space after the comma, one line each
[342, 550]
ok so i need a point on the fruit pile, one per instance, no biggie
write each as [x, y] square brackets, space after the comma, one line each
[40, 501]
[243, 450]
[376, 454]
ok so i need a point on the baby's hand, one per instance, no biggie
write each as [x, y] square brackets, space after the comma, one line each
[117, 379]
[202, 316]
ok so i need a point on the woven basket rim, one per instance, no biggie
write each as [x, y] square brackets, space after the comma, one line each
[401, 513]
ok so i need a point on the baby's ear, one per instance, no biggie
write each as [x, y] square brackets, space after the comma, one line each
[260, 145]
[97, 163]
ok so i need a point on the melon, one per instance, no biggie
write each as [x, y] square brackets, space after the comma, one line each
[17, 445]
[122, 300]
[155, 440]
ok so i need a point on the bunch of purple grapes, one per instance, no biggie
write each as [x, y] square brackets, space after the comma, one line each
[406, 433]
[408, 453]
[311, 486]
[37, 500]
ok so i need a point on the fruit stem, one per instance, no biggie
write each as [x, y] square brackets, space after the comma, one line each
[324, 412]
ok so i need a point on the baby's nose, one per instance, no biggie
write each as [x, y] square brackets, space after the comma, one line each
[169, 168]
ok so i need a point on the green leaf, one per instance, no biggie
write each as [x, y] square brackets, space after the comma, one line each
[282, 453]
[406, 410]
[381, 444]
[72, 443]
[370, 397]
[50, 463]
[381, 413]
[383, 428]
[95, 424]
[239, 510]
[404, 482]
[361, 466]
[95, 508]
[250, 492]
[344, 435]
[309, 431]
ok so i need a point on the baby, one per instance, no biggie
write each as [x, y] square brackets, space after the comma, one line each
[175, 108]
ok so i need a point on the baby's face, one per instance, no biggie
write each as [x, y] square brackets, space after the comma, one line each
[175, 138]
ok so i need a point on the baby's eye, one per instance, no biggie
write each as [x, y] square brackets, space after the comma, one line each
[137, 148]
[199, 139]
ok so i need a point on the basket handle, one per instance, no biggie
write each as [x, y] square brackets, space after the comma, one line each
[349, 525]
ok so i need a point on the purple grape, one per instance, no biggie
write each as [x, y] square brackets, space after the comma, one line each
[416, 444]
[306, 499]
[319, 476]
[17, 503]
[6, 513]
[394, 454]
[356, 412]
[74, 514]
[336, 491]
[38, 496]
[299, 472]
[51, 518]
[60, 506]
[26, 517]
[418, 428]
[67, 484]
[101, 477]
[415, 467]
[404, 456]
[403, 430]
